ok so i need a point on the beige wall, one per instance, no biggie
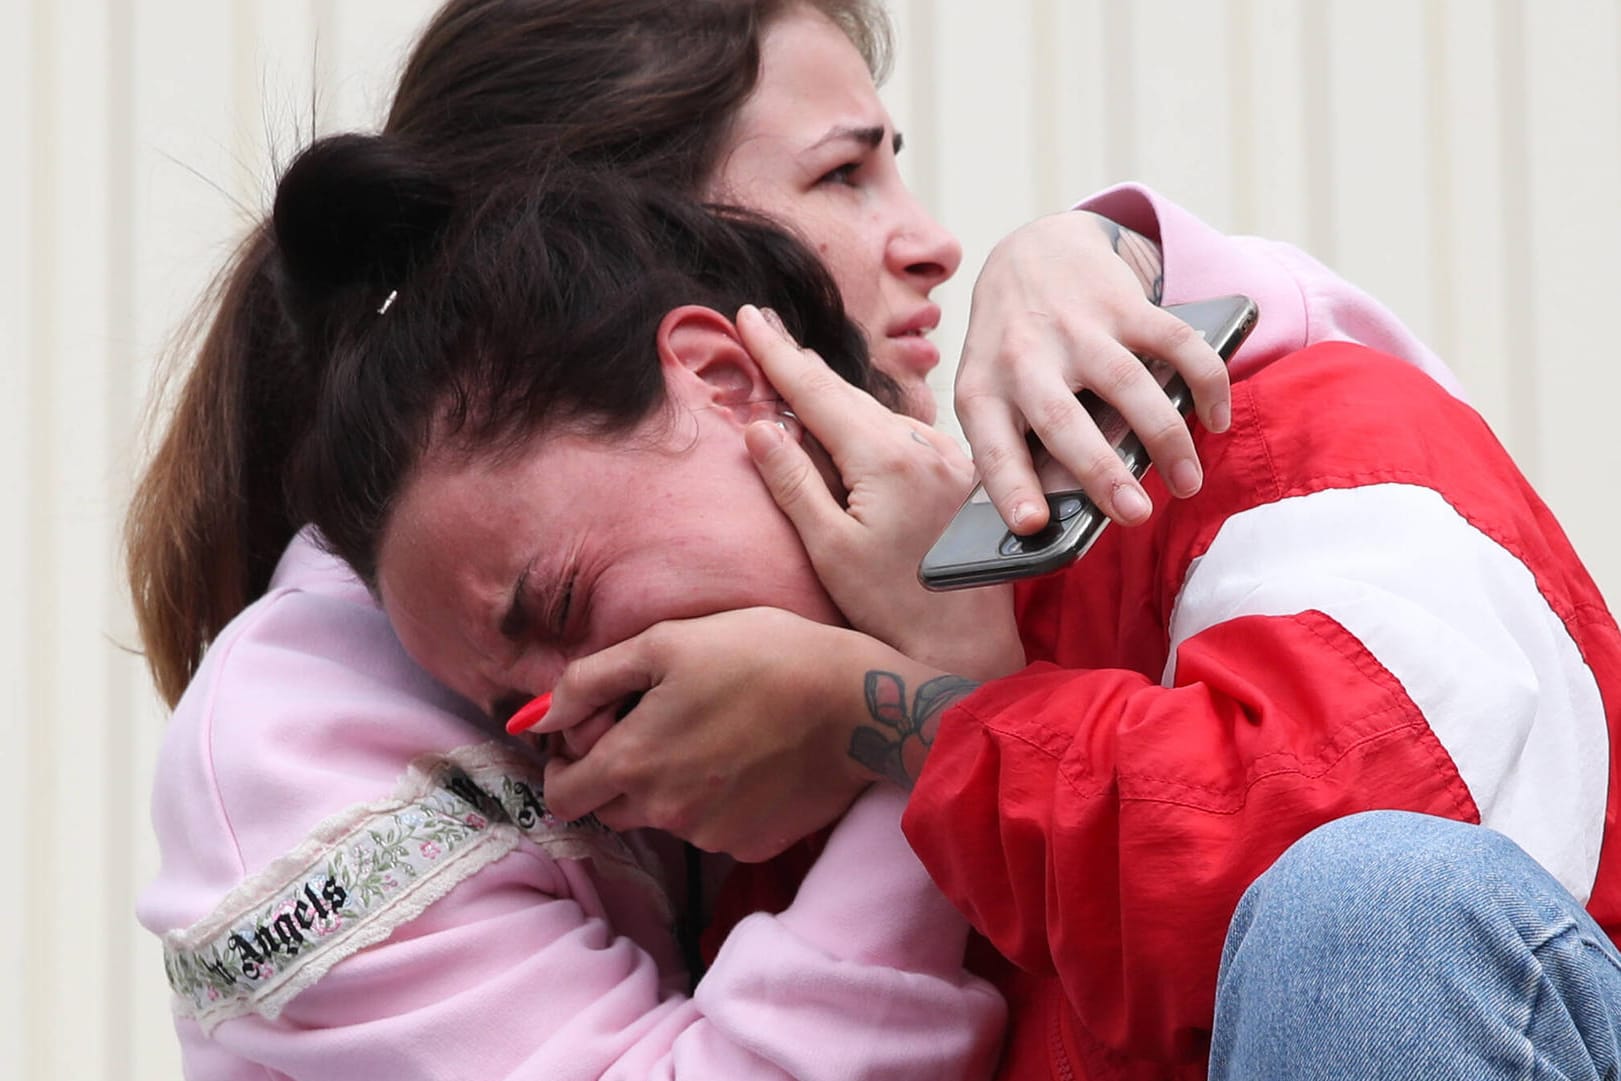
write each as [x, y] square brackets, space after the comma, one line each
[1459, 158]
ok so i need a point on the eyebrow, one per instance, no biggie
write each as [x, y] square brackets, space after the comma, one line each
[871, 137]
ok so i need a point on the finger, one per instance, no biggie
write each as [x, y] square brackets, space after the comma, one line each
[576, 789]
[793, 481]
[599, 683]
[1003, 459]
[1129, 396]
[832, 410]
[579, 739]
[1158, 333]
[1083, 454]
[622, 815]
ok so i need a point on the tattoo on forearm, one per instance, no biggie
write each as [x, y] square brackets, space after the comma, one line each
[1141, 255]
[897, 741]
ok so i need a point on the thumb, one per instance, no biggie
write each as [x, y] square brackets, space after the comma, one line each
[793, 481]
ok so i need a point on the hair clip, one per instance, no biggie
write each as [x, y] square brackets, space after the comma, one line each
[388, 302]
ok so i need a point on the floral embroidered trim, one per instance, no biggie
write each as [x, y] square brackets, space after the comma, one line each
[366, 871]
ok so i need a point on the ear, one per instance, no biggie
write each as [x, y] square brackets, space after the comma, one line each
[706, 366]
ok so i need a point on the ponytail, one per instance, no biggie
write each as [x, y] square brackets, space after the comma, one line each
[208, 520]
[212, 513]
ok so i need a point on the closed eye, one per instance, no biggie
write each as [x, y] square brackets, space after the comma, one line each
[565, 604]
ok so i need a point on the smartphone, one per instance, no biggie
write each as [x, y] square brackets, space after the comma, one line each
[977, 548]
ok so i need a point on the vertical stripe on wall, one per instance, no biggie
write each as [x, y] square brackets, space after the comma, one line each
[41, 965]
[122, 830]
[18, 256]
[1119, 149]
[1241, 114]
[1315, 58]
[1046, 58]
[1438, 166]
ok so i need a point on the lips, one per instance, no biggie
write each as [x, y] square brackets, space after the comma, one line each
[908, 339]
[918, 323]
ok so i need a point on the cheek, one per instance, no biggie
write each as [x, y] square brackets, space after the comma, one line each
[428, 642]
[856, 264]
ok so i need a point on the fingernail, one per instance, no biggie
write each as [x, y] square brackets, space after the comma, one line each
[762, 437]
[529, 714]
[1021, 514]
[1186, 477]
[1130, 503]
[774, 321]
[1221, 418]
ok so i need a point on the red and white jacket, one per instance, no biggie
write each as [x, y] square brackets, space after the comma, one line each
[1365, 607]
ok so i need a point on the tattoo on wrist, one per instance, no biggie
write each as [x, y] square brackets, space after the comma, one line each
[896, 742]
[1141, 255]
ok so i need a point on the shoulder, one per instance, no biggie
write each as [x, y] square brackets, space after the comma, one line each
[305, 705]
[1339, 415]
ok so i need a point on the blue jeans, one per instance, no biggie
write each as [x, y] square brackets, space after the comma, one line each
[1392, 945]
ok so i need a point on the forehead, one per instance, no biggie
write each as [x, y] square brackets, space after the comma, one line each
[811, 77]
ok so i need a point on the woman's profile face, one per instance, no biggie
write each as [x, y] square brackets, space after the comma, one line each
[815, 149]
[497, 570]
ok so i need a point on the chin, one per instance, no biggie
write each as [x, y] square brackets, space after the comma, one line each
[919, 402]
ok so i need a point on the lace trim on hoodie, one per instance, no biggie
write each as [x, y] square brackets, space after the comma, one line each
[370, 869]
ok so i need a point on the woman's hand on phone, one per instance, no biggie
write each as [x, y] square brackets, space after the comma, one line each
[903, 481]
[1067, 303]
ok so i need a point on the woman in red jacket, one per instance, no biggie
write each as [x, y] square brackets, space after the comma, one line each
[1365, 608]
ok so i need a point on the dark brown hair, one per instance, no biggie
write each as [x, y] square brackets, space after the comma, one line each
[493, 89]
[534, 306]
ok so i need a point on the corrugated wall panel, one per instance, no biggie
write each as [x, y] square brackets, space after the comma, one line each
[17, 298]
[1459, 159]
[1573, 117]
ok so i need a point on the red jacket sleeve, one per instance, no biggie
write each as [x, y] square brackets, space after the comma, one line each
[1099, 827]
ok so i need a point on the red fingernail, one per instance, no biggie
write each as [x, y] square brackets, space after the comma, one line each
[530, 714]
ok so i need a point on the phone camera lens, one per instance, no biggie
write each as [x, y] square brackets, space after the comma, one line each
[1013, 544]
[1066, 506]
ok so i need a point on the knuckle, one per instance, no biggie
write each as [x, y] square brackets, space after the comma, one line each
[994, 458]
[627, 769]
[1171, 435]
[789, 486]
[1120, 372]
[1018, 344]
[661, 641]
[1102, 466]
[1056, 413]
[672, 816]
[974, 402]
[1179, 336]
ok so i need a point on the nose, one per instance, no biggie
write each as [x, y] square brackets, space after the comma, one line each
[922, 249]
